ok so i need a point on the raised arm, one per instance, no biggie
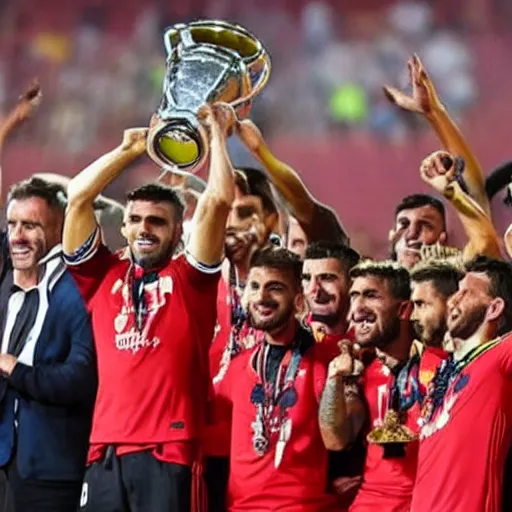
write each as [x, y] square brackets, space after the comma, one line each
[86, 186]
[25, 107]
[482, 236]
[207, 235]
[317, 220]
[425, 101]
[342, 413]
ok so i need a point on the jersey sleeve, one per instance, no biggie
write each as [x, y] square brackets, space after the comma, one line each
[506, 355]
[198, 274]
[89, 264]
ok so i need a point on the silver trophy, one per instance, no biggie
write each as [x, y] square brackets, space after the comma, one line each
[207, 62]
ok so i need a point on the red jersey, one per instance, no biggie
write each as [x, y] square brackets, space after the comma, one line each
[217, 437]
[153, 371]
[293, 478]
[388, 482]
[464, 441]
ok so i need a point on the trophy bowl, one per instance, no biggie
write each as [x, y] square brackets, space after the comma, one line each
[207, 62]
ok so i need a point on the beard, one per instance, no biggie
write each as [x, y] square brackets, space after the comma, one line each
[321, 302]
[155, 259]
[434, 338]
[390, 333]
[275, 322]
[240, 245]
[469, 323]
[330, 320]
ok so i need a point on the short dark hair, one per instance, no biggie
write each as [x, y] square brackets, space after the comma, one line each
[259, 185]
[280, 259]
[418, 200]
[53, 194]
[500, 277]
[241, 182]
[444, 276]
[396, 276]
[158, 193]
[347, 256]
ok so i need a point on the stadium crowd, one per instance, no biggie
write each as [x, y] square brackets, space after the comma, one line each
[237, 353]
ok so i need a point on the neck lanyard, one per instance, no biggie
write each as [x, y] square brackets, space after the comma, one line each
[273, 400]
[446, 373]
[405, 389]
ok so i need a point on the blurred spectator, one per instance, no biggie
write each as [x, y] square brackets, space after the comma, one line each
[328, 67]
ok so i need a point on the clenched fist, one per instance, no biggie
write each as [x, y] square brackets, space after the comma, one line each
[345, 365]
[219, 118]
[438, 170]
[134, 140]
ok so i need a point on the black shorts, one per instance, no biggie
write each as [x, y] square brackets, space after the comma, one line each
[136, 483]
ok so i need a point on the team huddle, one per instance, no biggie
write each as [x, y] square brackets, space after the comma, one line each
[238, 354]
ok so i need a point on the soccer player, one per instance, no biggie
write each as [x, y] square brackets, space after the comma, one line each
[326, 283]
[153, 318]
[252, 218]
[465, 190]
[467, 419]
[379, 312]
[420, 219]
[278, 461]
[432, 284]
[317, 221]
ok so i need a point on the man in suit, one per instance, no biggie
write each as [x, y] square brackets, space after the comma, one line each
[47, 364]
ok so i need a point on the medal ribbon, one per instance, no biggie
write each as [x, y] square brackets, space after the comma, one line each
[405, 388]
[267, 395]
[446, 374]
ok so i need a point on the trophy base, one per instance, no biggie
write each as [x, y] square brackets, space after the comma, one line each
[394, 450]
[176, 147]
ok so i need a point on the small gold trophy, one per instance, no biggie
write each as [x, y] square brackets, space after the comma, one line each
[392, 435]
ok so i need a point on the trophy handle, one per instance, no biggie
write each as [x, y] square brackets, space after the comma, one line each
[184, 38]
[259, 69]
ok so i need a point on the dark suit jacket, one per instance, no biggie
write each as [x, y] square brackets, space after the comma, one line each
[55, 396]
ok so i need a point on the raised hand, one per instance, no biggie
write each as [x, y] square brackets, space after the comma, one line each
[219, 118]
[134, 140]
[438, 170]
[345, 365]
[249, 134]
[24, 108]
[424, 96]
